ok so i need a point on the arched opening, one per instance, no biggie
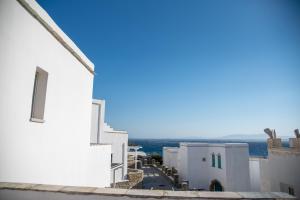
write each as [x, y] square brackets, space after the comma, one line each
[215, 185]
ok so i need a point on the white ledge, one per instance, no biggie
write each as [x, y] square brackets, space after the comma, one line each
[117, 132]
[141, 194]
[37, 120]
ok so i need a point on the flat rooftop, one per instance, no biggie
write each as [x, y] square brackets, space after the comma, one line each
[200, 144]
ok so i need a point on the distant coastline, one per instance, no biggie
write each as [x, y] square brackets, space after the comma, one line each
[257, 147]
[239, 137]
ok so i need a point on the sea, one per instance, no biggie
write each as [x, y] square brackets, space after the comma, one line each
[154, 146]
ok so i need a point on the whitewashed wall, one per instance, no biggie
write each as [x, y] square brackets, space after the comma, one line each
[214, 172]
[265, 184]
[118, 140]
[97, 121]
[182, 163]
[170, 155]
[195, 165]
[197, 168]
[103, 133]
[117, 174]
[283, 168]
[254, 170]
[57, 151]
[279, 169]
[237, 167]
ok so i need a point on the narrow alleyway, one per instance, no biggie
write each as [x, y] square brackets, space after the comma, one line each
[154, 179]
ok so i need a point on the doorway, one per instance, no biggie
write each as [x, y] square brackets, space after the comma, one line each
[215, 185]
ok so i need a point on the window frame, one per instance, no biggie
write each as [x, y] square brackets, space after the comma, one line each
[219, 159]
[213, 160]
[39, 94]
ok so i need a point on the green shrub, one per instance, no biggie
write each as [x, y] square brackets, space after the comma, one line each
[157, 157]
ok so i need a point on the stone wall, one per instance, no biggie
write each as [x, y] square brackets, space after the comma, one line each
[135, 179]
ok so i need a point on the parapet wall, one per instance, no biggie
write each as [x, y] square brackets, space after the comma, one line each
[18, 191]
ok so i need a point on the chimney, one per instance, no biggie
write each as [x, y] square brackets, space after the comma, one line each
[274, 143]
[295, 142]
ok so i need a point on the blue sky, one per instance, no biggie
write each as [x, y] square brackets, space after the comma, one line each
[177, 68]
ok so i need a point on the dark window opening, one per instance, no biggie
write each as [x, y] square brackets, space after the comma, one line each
[39, 95]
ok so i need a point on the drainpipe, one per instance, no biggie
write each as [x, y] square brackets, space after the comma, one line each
[114, 178]
[135, 159]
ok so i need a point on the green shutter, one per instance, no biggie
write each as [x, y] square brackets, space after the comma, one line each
[219, 162]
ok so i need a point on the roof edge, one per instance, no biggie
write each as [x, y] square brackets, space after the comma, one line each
[45, 20]
[225, 145]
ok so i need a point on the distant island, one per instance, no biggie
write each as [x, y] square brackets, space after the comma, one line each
[249, 137]
[240, 137]
[245, 137]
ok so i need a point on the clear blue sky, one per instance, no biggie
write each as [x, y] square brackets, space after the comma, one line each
[178, 68]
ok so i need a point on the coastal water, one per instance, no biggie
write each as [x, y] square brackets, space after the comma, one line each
[154, 146]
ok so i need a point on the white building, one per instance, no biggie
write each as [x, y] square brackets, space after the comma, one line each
[280, 171]
[219, 167]
[46, 96]
[170, 155]
[254, 170]
[101, 133]
[135, 151]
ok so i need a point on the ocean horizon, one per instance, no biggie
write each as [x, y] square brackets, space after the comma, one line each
[257, 148]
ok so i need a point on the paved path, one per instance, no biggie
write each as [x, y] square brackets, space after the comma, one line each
[153, 179]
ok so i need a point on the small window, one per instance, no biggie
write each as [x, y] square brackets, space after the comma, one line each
[39, 95]
[219, 161]
[213, 160]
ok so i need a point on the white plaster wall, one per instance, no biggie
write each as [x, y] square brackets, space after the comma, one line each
[170, 155]
[173, 159]
[284, 168]
[182, 162]
[195, 165]
[264, 175]
[197, 168]
[57, 151]
[103, 134]
[254, 171]
[165, 156]
[117, 140]
[214, 172]
[94, 124]
[237, 168]
[118, 175]
[97, 120]
[99, 165]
